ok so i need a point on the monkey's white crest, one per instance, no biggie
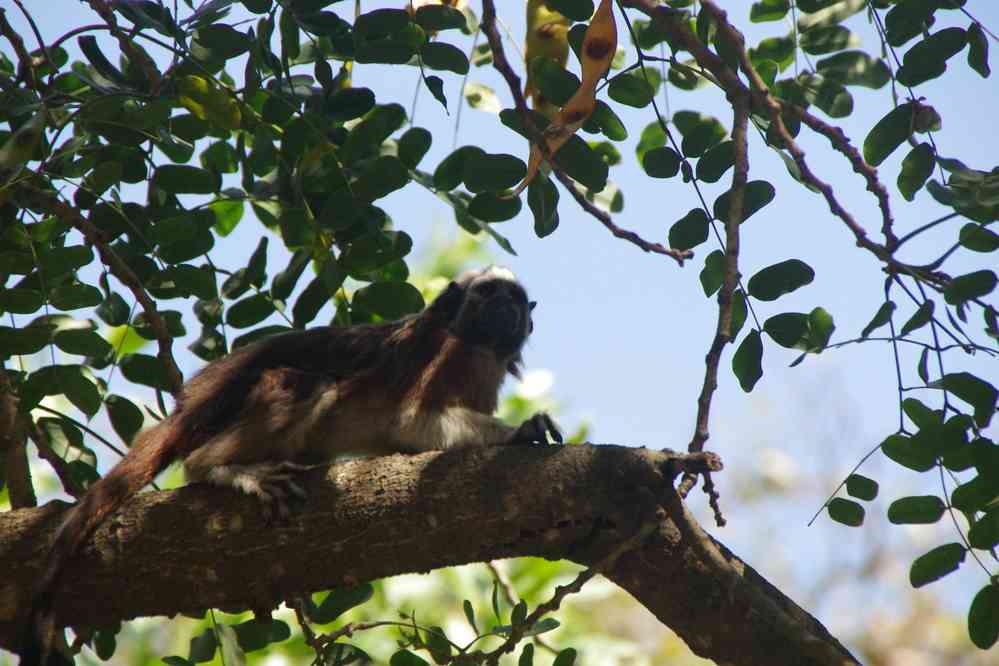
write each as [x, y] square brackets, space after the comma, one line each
[489, 272]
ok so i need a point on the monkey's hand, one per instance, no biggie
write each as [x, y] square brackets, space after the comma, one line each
[536, 430]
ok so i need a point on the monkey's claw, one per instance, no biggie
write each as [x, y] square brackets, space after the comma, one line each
[537, 429]
[276, 487]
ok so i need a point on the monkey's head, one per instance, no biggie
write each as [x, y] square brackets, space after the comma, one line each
[488, 308]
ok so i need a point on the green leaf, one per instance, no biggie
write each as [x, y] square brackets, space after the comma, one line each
[846, 512]
[631, 89]
[908, 19]
[441, 56]
[787, 329]
[758, 193]
[367, 136]
[349, 103]
[20, 301]
[861, 487]
[917, 167]
[652, 136]
[855, 68]
[583, 164]
[661, 162]
[341, 600]
[881, 317]
[470, 614]
[778, 49]
[75, 295]
[575, 10]
[491, 207]
[769, 10]
[920, 318]
[903, 450]
[690, 230]
[200, 96]
[747, 361]
[407, 658]
[144, 369]
[27, 340]
[433, 18]
[389, 300]
[436, 87]
[713, 273]
[820, 329]
[519, 613]
[700, 138]
[250, 311]
[493, 172]
[556, 83]
[978, 51]
[822, 39]
[888, 134]
[82, 341]
[983, 617]
[969, 286]
[978, 238]
[774, 281]
[202, 647]
[977, 392]
[184, 179]
[381, 177]
[125, 417]
[936, 564]
[927, 59]
[609, 123]
[714, 163]
[921, 510]
[984, 534]
[415, 142]
[526, 655]
[451, 169]
[739, 313]
[542, 198]
[566, 657]
[255, 635]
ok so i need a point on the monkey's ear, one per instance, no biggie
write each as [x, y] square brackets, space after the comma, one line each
[447, 304]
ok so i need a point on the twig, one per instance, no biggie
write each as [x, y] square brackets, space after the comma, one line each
[562, 591]
[723, 330]
[513, 598]
[502, 65]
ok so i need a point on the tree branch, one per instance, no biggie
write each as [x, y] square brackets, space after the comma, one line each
[368, 519]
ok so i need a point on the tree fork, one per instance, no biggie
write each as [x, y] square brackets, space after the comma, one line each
[198, 547]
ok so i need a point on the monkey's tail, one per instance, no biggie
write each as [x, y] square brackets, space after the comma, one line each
[150, 454]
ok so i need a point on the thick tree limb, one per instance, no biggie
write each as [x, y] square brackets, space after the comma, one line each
[199, 546]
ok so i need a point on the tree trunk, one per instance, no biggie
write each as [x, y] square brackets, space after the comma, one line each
[198, 547]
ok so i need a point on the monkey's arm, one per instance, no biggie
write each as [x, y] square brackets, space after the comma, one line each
[461, 426]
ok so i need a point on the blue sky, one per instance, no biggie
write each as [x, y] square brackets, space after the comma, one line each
[625, 333]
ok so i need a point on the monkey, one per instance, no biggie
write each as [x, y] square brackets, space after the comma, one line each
[258, 417]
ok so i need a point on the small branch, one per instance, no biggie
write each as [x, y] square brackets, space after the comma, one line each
[841, 142]
[513, 598]
[562, 591]
[502, 65]
[45, 452]
[127, 277]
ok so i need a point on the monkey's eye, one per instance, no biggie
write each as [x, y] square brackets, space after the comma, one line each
[531, 305]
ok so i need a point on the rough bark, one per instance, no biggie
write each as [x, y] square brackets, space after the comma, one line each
[198, 547]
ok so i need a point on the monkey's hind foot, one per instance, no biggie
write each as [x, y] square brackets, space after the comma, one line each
[536, 430]
[274, 484]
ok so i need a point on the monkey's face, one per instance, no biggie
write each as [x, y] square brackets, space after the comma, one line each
[494, 313]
